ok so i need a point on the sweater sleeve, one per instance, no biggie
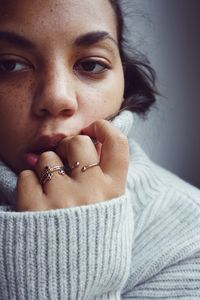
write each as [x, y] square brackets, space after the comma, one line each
[77, 253]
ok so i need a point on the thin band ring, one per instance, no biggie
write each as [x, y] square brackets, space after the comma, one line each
[85, 168]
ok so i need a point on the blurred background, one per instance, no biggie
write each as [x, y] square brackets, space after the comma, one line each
[168, 32]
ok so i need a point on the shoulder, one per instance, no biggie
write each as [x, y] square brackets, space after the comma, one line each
[152, 184]
[167, 228]
[157, 194]
[167, 216]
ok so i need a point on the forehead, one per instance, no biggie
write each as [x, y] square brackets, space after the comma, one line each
[57, 16]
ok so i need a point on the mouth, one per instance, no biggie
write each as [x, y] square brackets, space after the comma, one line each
[42, 144]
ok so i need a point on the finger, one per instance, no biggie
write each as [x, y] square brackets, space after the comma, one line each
[57, 180]
[79, 151]
[114, 151]
[28, 184]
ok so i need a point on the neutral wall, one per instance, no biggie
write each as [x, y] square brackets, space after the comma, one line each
[168, 32]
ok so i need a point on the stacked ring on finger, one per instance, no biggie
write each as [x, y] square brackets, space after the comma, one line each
[48, 171]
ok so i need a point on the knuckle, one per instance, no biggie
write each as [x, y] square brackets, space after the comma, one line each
[24, 175]
[112, 131]
[47, 156]
[101, 123]
[101, 126]
[79, 140]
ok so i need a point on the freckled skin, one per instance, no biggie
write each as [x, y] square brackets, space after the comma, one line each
[50, 97]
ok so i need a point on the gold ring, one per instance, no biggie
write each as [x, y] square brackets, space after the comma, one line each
[85, 168]
[75, 165]
[48, 171]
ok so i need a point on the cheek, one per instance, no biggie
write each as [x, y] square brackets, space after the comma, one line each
[14, 107]
[114, 91]
[15, 96]
[102, 99]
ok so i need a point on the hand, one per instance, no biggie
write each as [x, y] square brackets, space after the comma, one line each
[99, 183]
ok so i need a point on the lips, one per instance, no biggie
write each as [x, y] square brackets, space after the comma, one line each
[31, 159]
[42, 144]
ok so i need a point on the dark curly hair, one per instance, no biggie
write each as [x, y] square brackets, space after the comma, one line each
[140, 89]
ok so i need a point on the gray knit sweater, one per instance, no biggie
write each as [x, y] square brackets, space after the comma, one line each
[142, 245]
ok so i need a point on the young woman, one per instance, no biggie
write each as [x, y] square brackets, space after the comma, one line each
[80, 217]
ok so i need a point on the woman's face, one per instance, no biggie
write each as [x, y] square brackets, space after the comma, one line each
[60, 70]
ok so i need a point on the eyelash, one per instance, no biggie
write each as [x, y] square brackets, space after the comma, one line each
[12, 62]
[79, 66]
[92, 62]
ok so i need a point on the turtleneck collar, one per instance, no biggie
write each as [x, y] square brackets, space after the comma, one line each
[8, 179]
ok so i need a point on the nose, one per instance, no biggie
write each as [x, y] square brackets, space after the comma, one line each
[55, 94]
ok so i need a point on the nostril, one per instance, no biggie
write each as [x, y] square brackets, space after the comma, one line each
[55, 102]
[64, 112]
[67, 112]
[44, 112]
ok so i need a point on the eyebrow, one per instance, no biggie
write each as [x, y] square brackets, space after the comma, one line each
[83, 40]
[93, 37]
[16, 39]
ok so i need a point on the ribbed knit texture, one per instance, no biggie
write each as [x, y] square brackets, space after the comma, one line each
[142, 245]
[8, 181]
[73, 254]
[166, 246]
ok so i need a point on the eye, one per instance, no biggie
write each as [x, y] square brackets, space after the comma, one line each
[11, 65]
[91, 66]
